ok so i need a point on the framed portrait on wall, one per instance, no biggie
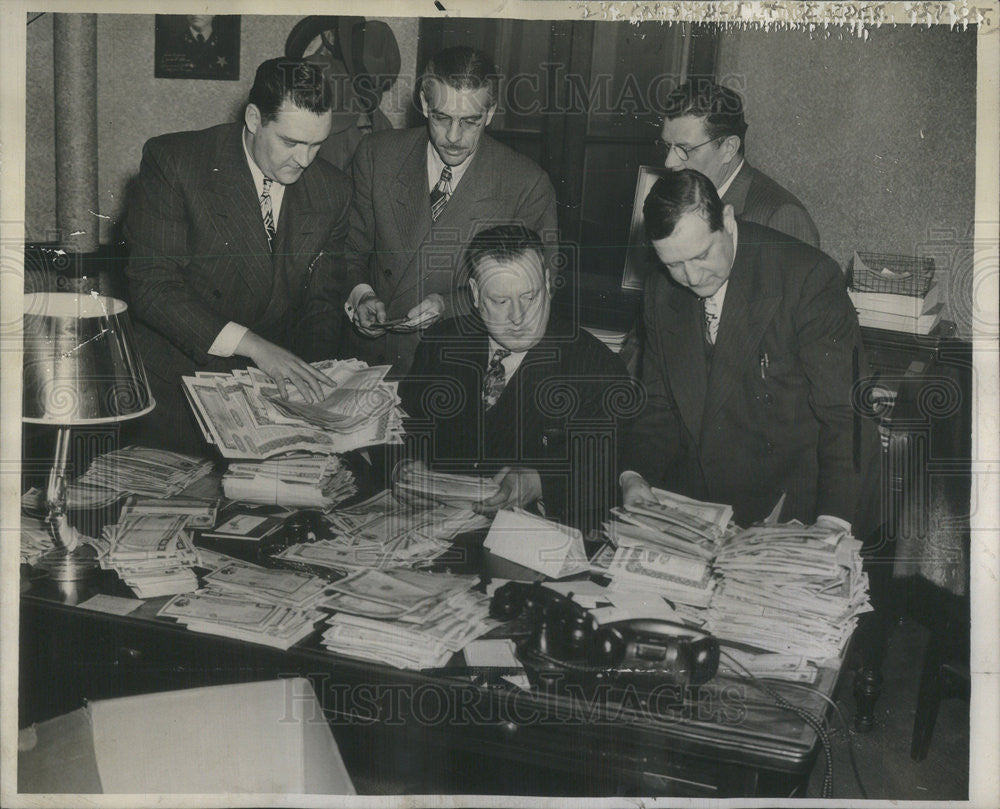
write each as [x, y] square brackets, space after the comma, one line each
[197, 46]
[640, 258]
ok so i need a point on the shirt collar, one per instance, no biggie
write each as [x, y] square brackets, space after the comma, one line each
[722, 189]
[256, 173]
[435, 165]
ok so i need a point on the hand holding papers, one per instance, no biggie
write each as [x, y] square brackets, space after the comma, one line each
[536, 543]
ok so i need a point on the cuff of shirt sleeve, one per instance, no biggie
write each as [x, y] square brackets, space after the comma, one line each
[351, 304]
[227, 340]
[829, 519]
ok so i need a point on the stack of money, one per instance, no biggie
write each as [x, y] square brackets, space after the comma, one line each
[405, 618]
[143, 470]
[242, 617]
[243, 414]
[296, 481]
[415, 482]
[384, 533]
[680, 579]
[288, 588]
[790, 589]
[151, 553]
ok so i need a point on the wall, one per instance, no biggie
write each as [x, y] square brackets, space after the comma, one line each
[877, 138]
[133, 106]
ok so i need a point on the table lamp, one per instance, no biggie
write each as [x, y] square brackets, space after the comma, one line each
[80, 369]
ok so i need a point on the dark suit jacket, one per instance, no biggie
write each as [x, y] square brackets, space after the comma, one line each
[198, 258]
[393, 244]
[755, 197]
[559, 413]
[774, 412]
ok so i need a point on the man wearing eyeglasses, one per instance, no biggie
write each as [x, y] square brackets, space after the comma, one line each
[704, 129]
[421, 194]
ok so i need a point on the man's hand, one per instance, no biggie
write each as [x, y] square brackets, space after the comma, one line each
[635, 490]
[519, 486]
[426, 312]
[368, 314]
[283, 367]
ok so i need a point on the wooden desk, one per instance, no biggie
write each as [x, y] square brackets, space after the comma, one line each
[732, 742]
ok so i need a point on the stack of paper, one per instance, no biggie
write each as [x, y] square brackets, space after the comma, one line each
[152, 553]
[406, 618]
[895, 292]
[680, 579]
[243, 618]
[613, 339]
[289, 588]
[790, 589]
[143, 470]
[536, 543]
[244, 416]
[298, 481]
[383, 533]
[416, 482]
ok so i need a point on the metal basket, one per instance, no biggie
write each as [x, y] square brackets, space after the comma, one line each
[885, 272]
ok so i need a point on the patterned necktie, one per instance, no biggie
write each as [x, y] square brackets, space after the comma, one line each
[711, 319]
[495, 378]
[441, 193]
[267, 212]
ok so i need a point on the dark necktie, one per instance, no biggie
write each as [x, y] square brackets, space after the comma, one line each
[441, 193]
[495, 378]
[267, 212]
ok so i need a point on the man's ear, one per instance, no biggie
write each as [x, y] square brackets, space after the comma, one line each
[252, 118]
[728, 218]
[489, 114]
[730, 147]
[423, 104]
[474, 291]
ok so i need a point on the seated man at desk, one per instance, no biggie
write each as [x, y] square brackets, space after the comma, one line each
[753, 352]
[516, 391]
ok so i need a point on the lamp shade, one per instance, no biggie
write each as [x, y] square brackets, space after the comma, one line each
[80, 361]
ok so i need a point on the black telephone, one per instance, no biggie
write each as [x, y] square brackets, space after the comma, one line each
[563, 636]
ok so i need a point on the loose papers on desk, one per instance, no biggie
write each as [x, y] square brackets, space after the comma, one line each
[144, 470]
[790, 589]
[297, 481]
[537, 543]
[406, 618]
[245, 417]
[383, 533]
[416, 482]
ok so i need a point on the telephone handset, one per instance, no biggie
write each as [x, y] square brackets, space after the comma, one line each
[564, 635]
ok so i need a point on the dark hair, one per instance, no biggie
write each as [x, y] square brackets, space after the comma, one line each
[721, 108]
[500, 243]
[677, 193]
[463, 68]
[296, 80]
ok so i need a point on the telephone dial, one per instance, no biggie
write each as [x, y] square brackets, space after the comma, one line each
[564, 637]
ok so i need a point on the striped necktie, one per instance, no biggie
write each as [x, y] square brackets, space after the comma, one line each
[495, 378]
[711, 319]
[267, 211]
[441, 193]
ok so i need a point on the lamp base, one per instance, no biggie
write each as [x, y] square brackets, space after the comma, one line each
[75, 565]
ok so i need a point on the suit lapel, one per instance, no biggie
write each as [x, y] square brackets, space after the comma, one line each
[412, 206]
[749, 306]
[683, 350]
[235, 208]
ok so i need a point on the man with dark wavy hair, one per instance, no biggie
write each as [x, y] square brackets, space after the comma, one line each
[421, 193]
[235, 238]
[515, 391]
[752, 357]
[704, 129]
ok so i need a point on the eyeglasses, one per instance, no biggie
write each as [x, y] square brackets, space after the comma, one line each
[683, 152]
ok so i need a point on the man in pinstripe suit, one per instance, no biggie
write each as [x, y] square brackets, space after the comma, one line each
[235, 234]
[704, 130]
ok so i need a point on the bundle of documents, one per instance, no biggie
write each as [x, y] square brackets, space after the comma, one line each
[144, 470]
[152, 553]
[406, 618]
[298, 481]
[790, 589]
[773, 666]
[288, 588]
[680, 579]
[383, 533]
[245, 417]
[415, 482]
[898, 293]
[243, 618]
[674, 525]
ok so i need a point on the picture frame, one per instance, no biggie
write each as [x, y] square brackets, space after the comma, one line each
[197, 46]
